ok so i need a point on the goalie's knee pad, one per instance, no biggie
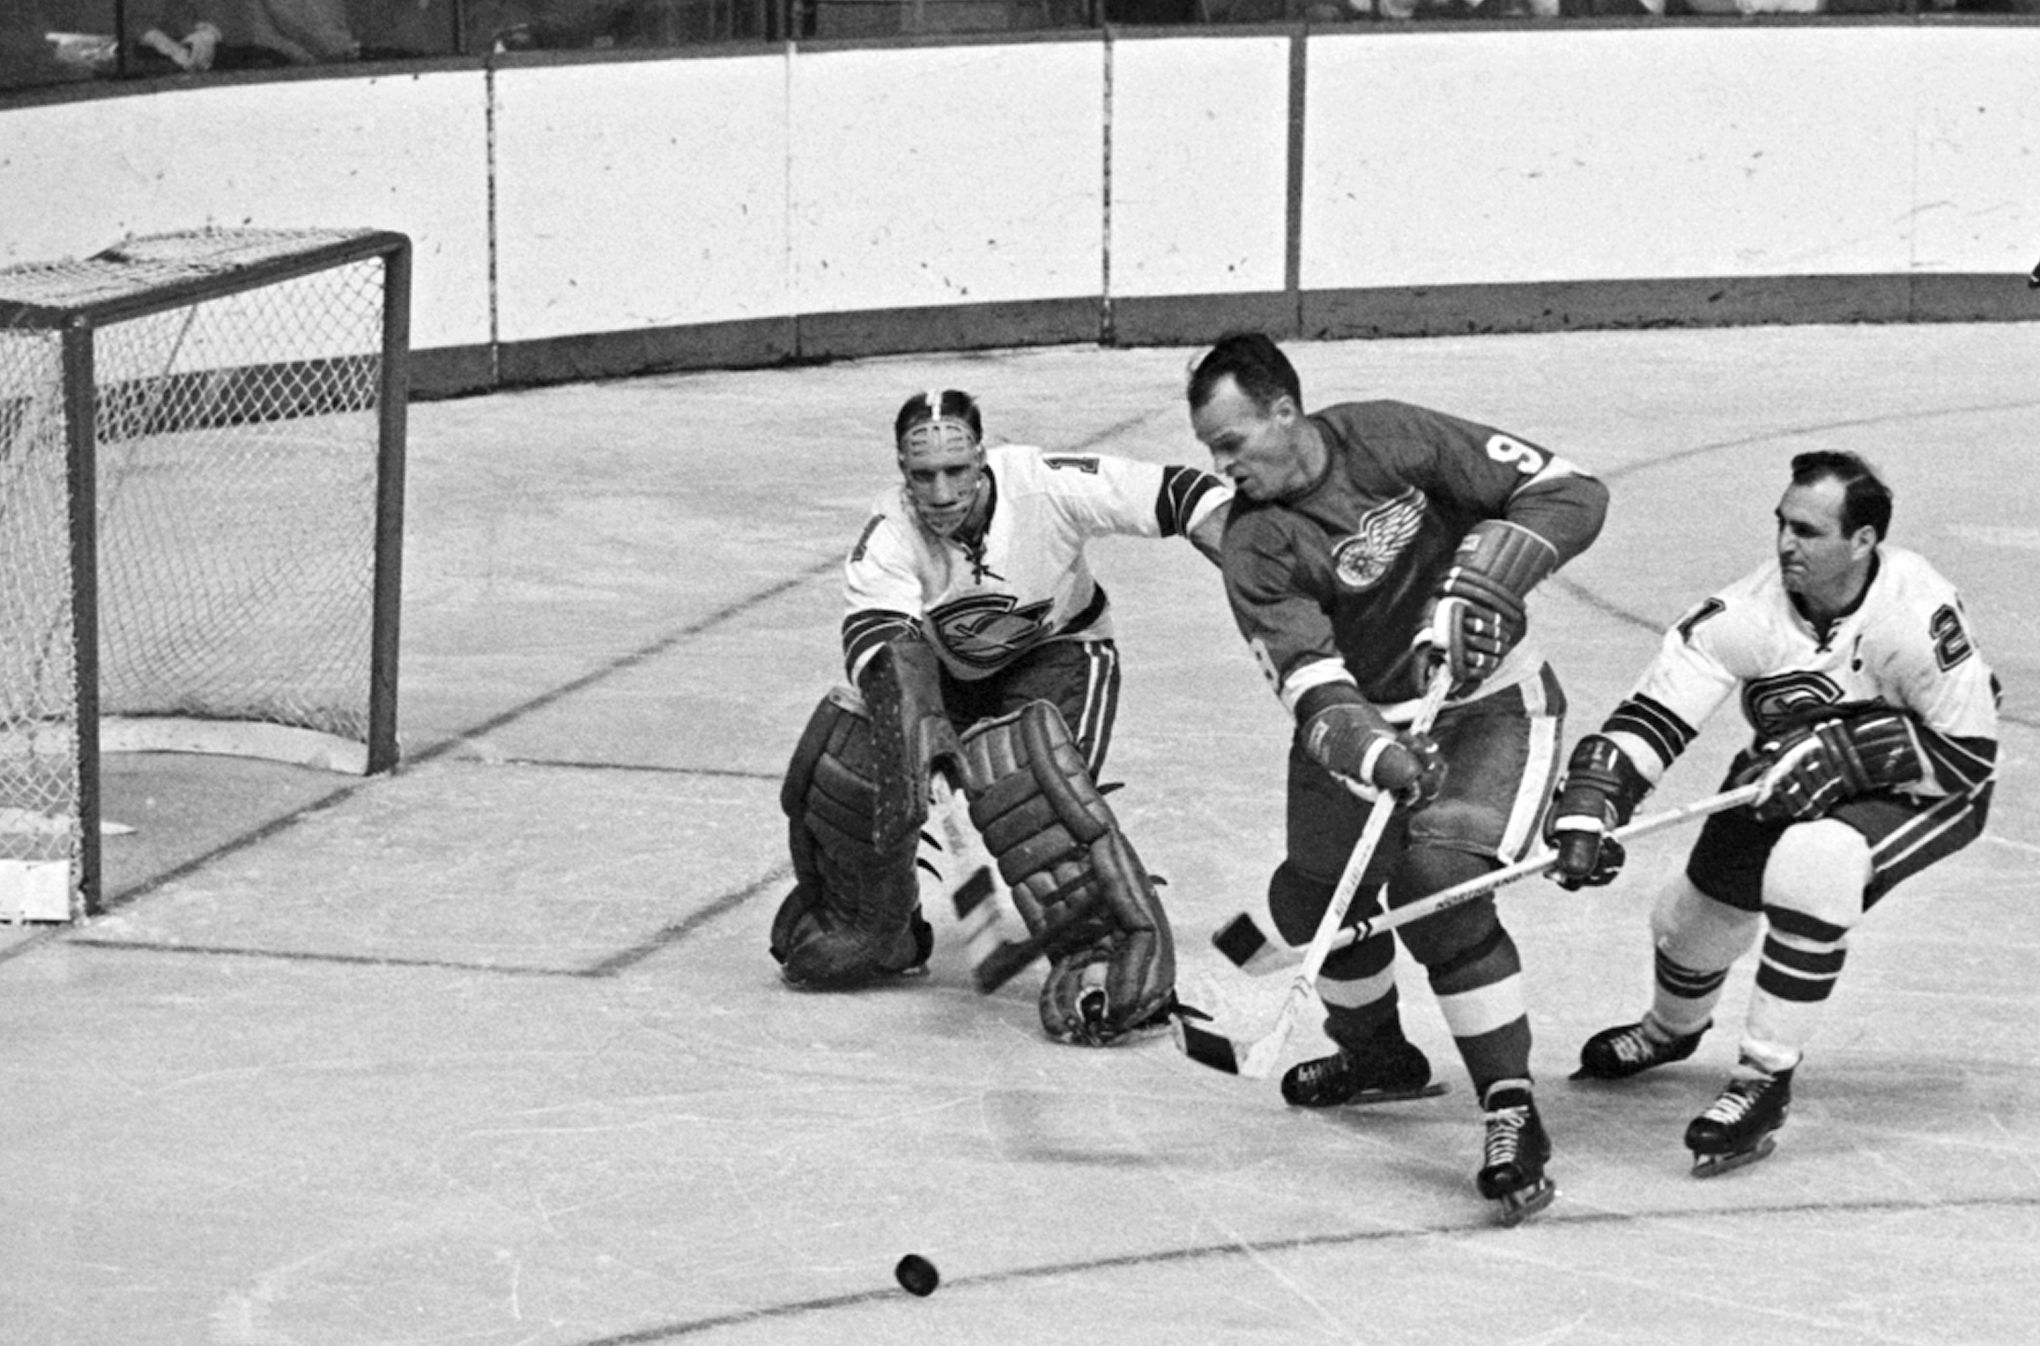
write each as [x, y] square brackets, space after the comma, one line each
[1074, 877]
[853, 914]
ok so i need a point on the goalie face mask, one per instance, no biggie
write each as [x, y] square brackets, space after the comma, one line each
[942, 460]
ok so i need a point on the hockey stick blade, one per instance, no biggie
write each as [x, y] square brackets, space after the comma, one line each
[1004, 962]
[1221, 1053]
[994, 959]
[1257, 1059]
[1205, 1047]
[1254, 1060]
[995, 939]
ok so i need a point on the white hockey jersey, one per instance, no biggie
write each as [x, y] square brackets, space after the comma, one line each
[1907, 644]
[1027, 582]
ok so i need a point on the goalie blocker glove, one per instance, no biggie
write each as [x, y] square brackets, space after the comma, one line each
[1477, 614]
[1348, 737]
[911, 737]
[1599, 793]
[1812, 770]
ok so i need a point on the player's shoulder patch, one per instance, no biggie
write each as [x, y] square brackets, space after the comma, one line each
[1710, 606]
[864, 537]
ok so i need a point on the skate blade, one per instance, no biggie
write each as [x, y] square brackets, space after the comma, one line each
[1515, 1207]
[1714, 1165]
[1584, 1074]
[1373, 1096]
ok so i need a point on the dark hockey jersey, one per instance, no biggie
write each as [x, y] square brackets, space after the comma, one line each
[1331, 584]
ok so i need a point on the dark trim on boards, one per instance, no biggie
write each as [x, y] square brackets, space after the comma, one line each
[1188, 320]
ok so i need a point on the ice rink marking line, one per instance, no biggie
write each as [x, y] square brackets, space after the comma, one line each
[1552, 1222]
[613, 965]
[446, 747]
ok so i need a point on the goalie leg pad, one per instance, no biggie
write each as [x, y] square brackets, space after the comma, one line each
[1073, 875]
[911, 736]
[825, 940]
[854, 912]
[821, 947]
[1126, 978]
[831, 784]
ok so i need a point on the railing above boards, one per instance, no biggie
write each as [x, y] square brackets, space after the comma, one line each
[55, 42]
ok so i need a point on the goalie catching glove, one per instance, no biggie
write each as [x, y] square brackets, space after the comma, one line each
[1812, 769]
[1074, 876]
[1476, 614]
[1599, 793]
[1348, 737]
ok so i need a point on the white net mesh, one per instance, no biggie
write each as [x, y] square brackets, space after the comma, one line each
[38, 766]
[237, 436]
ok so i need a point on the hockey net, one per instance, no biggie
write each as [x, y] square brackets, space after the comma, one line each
[200, 497]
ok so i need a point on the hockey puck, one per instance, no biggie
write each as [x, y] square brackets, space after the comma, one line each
[917, 1275]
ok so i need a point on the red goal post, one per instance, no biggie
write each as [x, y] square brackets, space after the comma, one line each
[201, 521]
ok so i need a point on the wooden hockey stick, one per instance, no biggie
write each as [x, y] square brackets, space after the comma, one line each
[995, 939]
[1243, 943]
[1257, 1059]
[1005, 960]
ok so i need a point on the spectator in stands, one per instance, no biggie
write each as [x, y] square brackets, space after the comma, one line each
[396, 30]
[549, 25]
[1751, 6]
[171, 36]
[283, 32]
[29, 56]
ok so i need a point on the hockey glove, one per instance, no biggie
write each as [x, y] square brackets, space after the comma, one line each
[1476, 615]
[1370, 757]
[1599, 793]
[911, 737]
[1813, 769]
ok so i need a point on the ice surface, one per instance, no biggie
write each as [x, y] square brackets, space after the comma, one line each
[490, 1051]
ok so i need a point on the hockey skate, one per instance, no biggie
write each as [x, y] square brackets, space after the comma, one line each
[1389, 1070]
[1630, 1049]
[1517, 1148]
[1736, 1129]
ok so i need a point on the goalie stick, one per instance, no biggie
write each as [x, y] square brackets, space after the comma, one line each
[1257, 1059]
[1248, 948]
[995, 939]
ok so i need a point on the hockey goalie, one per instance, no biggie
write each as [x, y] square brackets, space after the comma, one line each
[981, 658]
